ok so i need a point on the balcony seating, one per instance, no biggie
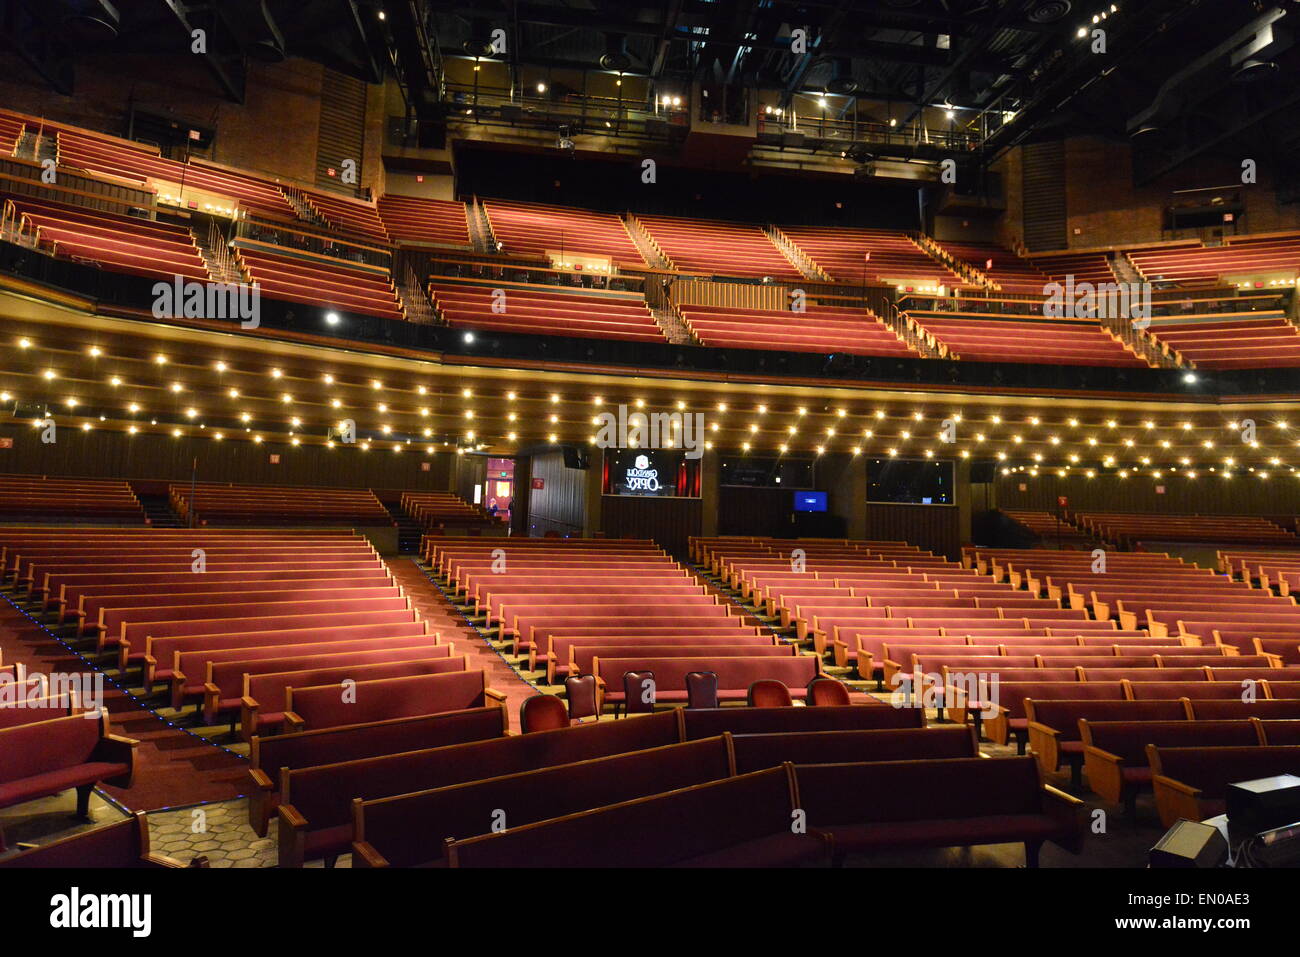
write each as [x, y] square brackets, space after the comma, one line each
[1084, 267]
[1195, 265]
[817, 329]
[1010, 273]
[125, 244]
[717, 248]
[536, 231]
[993, 337]
[98, 154]
[348, 215]
[1242, 341]
[11, 131]
[851, 255]
[320, 281]
[545, 311]
[410, 220]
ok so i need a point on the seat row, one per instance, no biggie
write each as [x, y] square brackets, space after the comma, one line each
[547, 310]
[28, 497]
[229, 504]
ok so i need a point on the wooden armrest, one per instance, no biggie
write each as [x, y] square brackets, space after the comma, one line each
[364, 855]
[261, 780]
[494, 695]
[1176, 785]
[292, 836]
[1090, 751]
[290, 816]
[293, 721]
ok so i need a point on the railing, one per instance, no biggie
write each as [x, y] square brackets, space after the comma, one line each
[12, 228]
[222, 258]
[419, 308]
[326, 244]
[913, 334]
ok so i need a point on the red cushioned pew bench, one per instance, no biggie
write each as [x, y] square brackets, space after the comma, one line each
[270, 757]
[1114, 752]
[1053, 728]
[1011, 720]
[334, 705]
[193, 670]
[551, 641]
[412, 830]
[77, 751]
[564, 661]
[266, 693]
[1191, 783]
[315, 811]
[121, 845]
[955, 802]
[735, 675]
[742, 821]
[159, 640]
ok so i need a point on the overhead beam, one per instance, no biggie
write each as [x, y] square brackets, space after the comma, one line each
[964, 58]
[374, 72]
[182, 11]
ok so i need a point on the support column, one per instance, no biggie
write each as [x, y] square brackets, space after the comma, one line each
[844, 477]
[710, 475]
[592, 494]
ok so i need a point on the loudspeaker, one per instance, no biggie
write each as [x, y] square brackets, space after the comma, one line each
[1264, 803]
[1190, 844]
[982, 472]
[574, 457]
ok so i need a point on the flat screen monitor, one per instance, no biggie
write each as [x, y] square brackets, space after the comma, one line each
[810, 501]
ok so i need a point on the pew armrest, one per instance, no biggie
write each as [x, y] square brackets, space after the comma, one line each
[260, 798]
[1105, 773]
[1175, 799]
[248, 717]
[1043, 740]
[118, 750]
[363, 855]
[293, 836]
[489, 695]
[1070, 813]
[293, 721]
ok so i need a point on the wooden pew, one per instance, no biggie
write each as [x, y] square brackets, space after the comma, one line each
[735, 675]
[123, 844]
[1054, 726]
[336, 705]
[266, 692]
[315, 802]
[410, 830]
[1115, 758]
[46, 757]
[269, 757]
[742, 821]
[1191, 783]
[871, 806]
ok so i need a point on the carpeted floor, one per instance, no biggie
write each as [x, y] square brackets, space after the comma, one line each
[173, 767]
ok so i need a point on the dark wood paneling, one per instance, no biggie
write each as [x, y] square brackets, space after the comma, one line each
[669, 521]
[934, 527]
[105, 454]
[753, 511]
[1044, 196]
[1207, 494]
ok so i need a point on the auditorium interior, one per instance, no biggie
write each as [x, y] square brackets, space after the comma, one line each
[431, 434]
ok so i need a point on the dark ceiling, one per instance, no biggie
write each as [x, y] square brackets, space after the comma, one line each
[1184, 78]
